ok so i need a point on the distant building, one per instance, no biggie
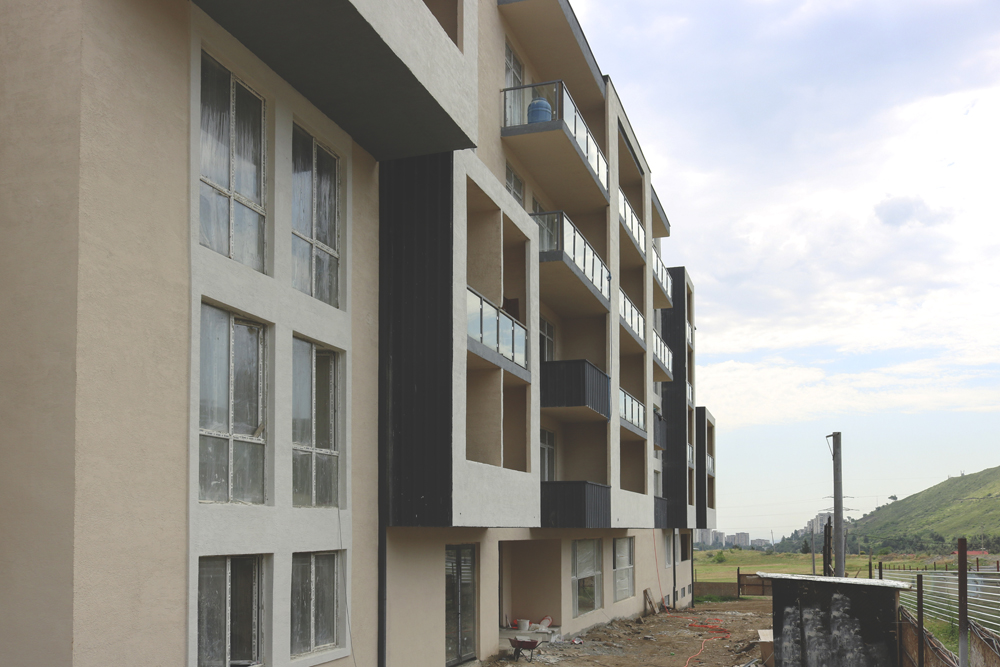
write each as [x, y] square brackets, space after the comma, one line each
[743, 539]
[763, 544]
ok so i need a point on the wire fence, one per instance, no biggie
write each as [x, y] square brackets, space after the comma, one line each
[941, 595]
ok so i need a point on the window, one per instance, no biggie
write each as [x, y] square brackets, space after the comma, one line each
[513, 77]
[315, 216]
[685, 546]
[229, 611]
[459, 603]
[624, 568]
[231, 207]
[586, 577]
[515, 185]
[658, 482]
[668, 548]
[314, 602]
[546, 340]
[548, 457]
[231, 421]
[315, 456]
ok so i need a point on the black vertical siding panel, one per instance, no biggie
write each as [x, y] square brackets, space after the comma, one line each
[575, 383]
[674, 404]
[701, 467]
[415, 340]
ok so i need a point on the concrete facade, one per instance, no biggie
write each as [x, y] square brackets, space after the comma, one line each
[107, 533]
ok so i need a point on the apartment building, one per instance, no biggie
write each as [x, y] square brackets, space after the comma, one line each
[338, 333]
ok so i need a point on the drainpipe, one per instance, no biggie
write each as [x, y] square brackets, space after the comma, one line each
[673, 562]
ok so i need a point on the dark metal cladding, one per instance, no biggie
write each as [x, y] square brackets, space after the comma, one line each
[701, 419]
[660, 512]
[675, 403]
[415, 340]
[576, 383]
[576, 505]
[659, 431]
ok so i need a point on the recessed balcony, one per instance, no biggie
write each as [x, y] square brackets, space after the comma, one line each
[663, 284]
[633, 245]
[576, 505]
[663, 360]
[495, 336]
[689, 333]
[632, 412]
[634, 323]
[575, 390]
[573, 279]
[690, 455]
[544, 128]
[690, 394]
[710, 464]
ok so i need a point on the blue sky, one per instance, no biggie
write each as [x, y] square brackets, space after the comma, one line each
[830, 170]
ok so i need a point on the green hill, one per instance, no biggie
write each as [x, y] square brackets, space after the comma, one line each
[966, 506]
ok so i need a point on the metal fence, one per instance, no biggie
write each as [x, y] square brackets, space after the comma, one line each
[941, 595]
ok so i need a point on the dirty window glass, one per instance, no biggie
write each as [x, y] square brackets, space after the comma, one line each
[315, 216]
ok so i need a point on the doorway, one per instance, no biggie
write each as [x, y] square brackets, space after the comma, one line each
[460, 604]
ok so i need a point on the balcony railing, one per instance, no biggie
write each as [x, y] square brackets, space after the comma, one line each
[496, 329]
[663, 353]
[557, 232]
[631, 221]
[710, 464]
[576, 383]
[575, 505]
[542, 102]
[662, 275]
[631, 409]
[632, 315]
[690, 333]
[659, 433]
[690, 393]
[690, 452]
[660, 516]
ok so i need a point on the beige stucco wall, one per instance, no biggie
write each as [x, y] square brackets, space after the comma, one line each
[39, 212]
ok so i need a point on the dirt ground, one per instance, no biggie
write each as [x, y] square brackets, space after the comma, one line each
[668, 639]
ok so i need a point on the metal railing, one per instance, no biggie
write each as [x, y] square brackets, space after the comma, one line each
[631, 409]
[690, 453]
[662, 275]
[710, 464]
[542, 102]
[941, 594]
[690, 333]
[497, 330]
[663, 353]
[632, 315]
[690, 393]
[557, 232]
[631, 221]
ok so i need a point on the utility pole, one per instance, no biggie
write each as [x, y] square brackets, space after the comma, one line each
[838, 507]
[812, 531]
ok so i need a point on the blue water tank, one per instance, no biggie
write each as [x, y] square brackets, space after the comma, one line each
[539, 111]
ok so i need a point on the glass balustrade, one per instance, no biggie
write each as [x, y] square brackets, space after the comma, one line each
[496, 329]
[631, 409]
[542, 102]
[557, 232]
[663, 353]
[690, 455]
[690, 333]
[690, 393]
[662, 275]
[631, 221]
[710, 464]
[632, 316]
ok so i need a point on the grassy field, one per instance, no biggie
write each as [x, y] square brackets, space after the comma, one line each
[758, 561]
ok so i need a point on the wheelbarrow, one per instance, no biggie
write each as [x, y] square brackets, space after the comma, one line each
[520, 645]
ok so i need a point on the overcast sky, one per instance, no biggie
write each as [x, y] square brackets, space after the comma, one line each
[830, 171]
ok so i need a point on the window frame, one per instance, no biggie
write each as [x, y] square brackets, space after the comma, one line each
[230, 192]
[257, 598]
[260, 437]
[314, 451]
[597, 575]
[515, 185]
[546, 340]
[668, 548]
[338, 593]
[629, 569]
[547, 457]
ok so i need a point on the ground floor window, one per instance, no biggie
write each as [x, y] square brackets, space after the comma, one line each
[460, 603]
[586, 576]
[314, 602]
[668, 548]
[229, 611]
[624, 568]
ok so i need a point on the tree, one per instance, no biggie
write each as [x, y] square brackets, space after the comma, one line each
[893, 498]
[805, 547]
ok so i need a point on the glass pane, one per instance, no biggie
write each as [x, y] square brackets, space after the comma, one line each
[586, 558]
[506, 336]
[301, 603]
[474, 325]
[326, 198]
[248, 237]
[520, 342]
[551, 464]
[214, 370]
[325, 397]
[623, 553]
[213, 469]
[326, 599]
[301, 479]
[622, 584]
[214, 215]
[586, 594]
[468, 601]
[214, 121]
[301, 181]
[248, 472]
[302, 392]
[489, 326]
[301, 267]
[326, 480]
[211, 612]
[327, 274]
[242, 609]
[248, 154]
[246, 379]
[451, 604]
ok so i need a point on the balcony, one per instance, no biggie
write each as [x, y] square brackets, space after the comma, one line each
[690, 393]
[710, 464]
[576, 505]
[576, 390]
[496, 336]
[634, 253]
[690, 455]
[662, 297]
[690, 334]
[573, 279]
[543, 126]
[632, 411]
[660, 512]
[659, 433]
[663, 369]
[632, 321]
